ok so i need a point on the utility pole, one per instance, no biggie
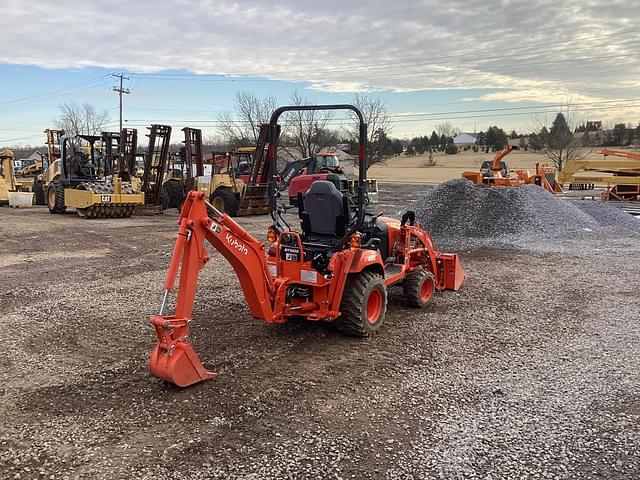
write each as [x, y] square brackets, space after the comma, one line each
[121, 91]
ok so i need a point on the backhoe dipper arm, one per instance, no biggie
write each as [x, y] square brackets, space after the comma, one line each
[173, 359]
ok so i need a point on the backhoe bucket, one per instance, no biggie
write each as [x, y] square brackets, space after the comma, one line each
[173, 358]
[453, 272]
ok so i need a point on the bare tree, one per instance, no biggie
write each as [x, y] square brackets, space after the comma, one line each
[378, 124]
[559, 143]
[242, 126]
[447, 129]
[81, 119]
[306, 130]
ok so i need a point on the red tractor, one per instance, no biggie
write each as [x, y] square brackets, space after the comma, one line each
[299, 175]
[337, 268]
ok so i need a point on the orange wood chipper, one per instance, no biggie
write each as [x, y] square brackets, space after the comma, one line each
[497, 174]
[337, 268]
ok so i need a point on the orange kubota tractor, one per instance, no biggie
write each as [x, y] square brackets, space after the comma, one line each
[496, 173]
[337, 268]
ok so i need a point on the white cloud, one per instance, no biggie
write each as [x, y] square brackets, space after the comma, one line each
[531, 50]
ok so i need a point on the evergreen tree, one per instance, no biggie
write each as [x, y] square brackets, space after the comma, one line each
[434, 141]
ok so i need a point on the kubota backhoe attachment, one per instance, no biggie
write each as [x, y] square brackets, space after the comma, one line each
[173, 358]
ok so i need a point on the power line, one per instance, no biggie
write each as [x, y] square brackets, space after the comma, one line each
[420, 115]
[84, 85]
[121, 91]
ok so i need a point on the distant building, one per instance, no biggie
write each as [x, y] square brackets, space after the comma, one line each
[464, 139]
[590, 126]
[594, 126]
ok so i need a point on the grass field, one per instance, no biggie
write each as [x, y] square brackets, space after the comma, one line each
[414, 169]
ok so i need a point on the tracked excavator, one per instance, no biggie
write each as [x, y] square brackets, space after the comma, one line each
[337, 267]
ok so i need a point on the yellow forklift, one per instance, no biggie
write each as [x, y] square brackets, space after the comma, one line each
[239, 184]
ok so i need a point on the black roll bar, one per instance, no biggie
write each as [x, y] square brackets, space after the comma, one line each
[362, 161]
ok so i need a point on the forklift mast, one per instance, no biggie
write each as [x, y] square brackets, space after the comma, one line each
[193, 152]
[256, 196]
[53, 145]
[127, 153]
[110, 151]
[192, 157]
[156, 162]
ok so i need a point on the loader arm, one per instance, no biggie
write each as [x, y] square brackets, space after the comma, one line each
[173, 359]
[292, 169]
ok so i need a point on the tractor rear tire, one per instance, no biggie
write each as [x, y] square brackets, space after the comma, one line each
[175, 192]
[55, 198]
[419, 286]
[225, 201]
[363, 306]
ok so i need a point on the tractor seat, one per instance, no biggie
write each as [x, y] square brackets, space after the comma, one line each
[324, 211]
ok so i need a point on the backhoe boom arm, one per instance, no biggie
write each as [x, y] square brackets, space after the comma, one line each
[173, 358]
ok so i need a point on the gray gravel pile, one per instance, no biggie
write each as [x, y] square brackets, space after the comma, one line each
[608, 215]
[460, 213]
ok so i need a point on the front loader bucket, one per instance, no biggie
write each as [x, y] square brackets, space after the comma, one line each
[173, 358]
[453, 272]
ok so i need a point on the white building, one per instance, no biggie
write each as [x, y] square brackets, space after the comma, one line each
[464, 139]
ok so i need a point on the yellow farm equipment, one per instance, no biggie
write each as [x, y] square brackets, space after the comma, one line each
[619, 178]
[77, 180]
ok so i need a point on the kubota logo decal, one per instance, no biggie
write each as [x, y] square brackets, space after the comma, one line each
[231, 240]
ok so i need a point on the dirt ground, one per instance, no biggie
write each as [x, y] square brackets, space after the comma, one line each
[415, 170]
[531, 370]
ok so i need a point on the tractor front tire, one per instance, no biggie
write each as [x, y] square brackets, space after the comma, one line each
[164, 200]
[55, 198]
[363, 306]
[418, 287]
[225, 201]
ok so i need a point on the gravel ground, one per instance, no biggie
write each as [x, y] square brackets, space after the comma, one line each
[462, 215]
[532, 370]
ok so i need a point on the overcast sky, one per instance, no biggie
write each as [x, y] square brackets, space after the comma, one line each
[496, 62]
